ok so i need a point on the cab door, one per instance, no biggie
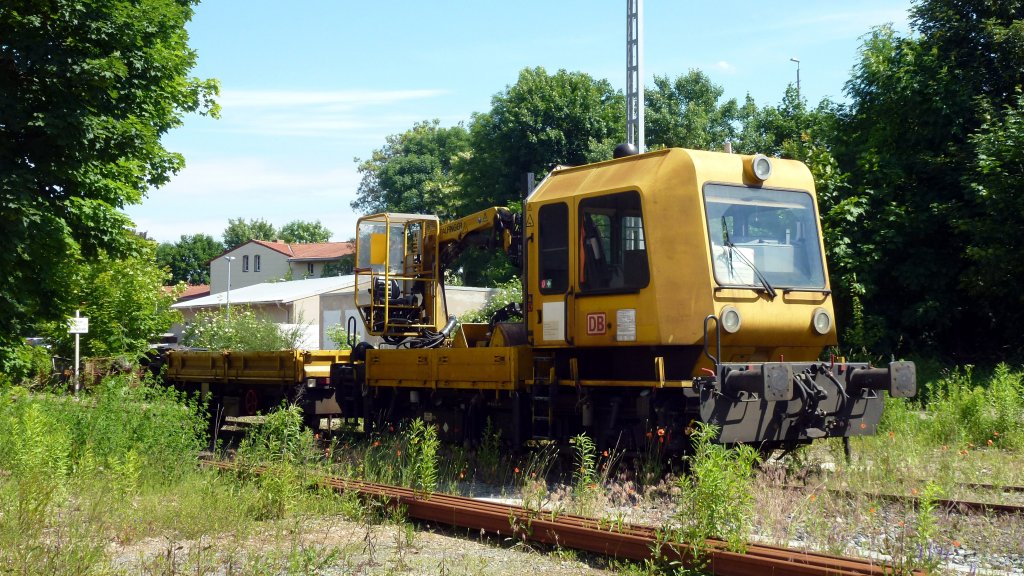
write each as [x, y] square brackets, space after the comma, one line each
[610, 269]
[550, 292]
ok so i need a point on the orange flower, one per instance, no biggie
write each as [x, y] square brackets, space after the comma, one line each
[376, 443]
[517, 470]
[863, 426]
[892, 434]
[461, 475]
[812, 497]
[913, 491]
[316, 436]
[648, 433]
[945, 447]
[605, 453]
[989, 441]
[995, 433]
[955, 543]
[871, 510]
[398, 452]
[661, 431]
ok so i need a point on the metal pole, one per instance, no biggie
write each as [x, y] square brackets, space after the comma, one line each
[635, 73]
[77, 354]
[797, 60]
[228, 296]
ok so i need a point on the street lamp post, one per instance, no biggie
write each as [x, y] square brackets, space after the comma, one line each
[797, 60]
[229, 259]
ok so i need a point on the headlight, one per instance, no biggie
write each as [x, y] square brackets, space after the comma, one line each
[761, 166]
[730, 318]
[822, 321]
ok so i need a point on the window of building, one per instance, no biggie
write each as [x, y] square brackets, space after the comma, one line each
[245, 263]
[309, 268]
[553, 245]
[256, 263]
[613, 250]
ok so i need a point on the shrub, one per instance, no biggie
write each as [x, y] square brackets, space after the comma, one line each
[245, 330]
[961, 411]
[716, 499]
[508, 292]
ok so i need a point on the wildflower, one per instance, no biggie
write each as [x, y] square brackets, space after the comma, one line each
[376, 443]
[605, 453]
[661, 440]
[648, 433]
[517, 469]
[945, 447]
[316, 436]
[995, 433]
[398, 452]
[661, 431]
[955, 543]
[863, 426]
[871, 511]
[892, 434]
[901, 523]
[461, 475]
[913, 491]
[391, 428]
[812, 497]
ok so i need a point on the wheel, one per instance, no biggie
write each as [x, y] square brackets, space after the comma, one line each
[251, 402]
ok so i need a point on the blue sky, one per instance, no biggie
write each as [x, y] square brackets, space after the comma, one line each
[308, 86]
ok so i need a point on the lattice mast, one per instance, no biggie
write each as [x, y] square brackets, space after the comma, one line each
[635, 73]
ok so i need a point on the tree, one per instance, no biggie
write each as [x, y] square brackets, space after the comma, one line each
[995, 253]
[239, 232]
[541, 121]
[685, 112]
[126, 303]
[907, 143]
[188, 259]
[89, 88]
[414, 172]
[302, 232]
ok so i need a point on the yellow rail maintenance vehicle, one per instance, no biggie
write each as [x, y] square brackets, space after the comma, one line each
[248, 383]
[660, 289]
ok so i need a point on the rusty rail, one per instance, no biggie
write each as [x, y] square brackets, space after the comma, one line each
[626, 541]
[947, 503]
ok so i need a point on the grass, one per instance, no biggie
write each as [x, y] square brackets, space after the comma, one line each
[108, 484]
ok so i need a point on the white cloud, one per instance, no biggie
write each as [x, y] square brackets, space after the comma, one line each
[333, 99]
[206, 194]
[726, 67]
[318, 113]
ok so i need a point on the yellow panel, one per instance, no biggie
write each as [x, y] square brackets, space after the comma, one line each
[378, 248]
[399, 365]
[473, 368]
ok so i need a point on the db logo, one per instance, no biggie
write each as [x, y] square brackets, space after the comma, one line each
[596, 324]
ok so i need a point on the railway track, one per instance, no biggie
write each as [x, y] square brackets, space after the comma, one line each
[954, 504]
[623, 541]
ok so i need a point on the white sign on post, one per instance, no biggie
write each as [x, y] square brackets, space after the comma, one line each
[78, 325]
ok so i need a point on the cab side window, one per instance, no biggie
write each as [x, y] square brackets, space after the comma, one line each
[612, 246]
[553, 247]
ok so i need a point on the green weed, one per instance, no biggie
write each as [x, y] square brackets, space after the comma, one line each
[716, 499]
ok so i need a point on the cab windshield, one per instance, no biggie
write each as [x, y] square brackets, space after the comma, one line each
[763, 237]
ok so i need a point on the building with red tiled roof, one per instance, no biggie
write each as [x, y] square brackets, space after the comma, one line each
[259, 261]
